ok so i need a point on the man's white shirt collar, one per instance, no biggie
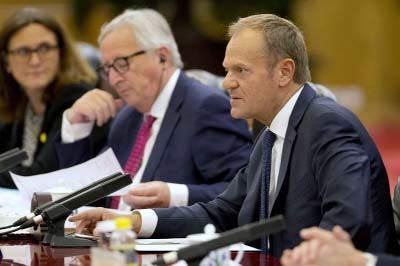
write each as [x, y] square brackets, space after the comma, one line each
[159, 107]
[281, 120]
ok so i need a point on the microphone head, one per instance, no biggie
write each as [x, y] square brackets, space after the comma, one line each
[11, 158]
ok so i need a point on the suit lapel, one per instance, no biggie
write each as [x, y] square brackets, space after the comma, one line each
[295, 118]
[167, 128]
[286, 151]
[254, 195]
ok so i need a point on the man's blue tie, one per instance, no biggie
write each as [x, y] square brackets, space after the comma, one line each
[267, 144]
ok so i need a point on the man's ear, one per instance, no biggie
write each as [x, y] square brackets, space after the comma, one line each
[164, 54]
[286, 71]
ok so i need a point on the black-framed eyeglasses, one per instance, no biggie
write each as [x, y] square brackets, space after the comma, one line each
[25, 53]
[120, 64]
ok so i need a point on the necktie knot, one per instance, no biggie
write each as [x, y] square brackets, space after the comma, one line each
[148, 122]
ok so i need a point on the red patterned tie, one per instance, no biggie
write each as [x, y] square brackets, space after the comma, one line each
[136, 156]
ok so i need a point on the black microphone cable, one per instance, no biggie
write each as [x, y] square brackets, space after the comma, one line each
[16, 223]
[10, 231]
[21, 223]
[5, 227]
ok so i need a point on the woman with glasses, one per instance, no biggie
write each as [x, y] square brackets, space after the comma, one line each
[41, 75]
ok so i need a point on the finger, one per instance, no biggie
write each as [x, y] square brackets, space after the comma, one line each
[89, 215]
[96, 104]
[286, 259]
[109, 103]
[304, 252]
[296, 255]
[317, 233]
[340, 234]
[84, 227]
[78, 114]
[86, 107]
[142, 202]
[127, 199]
[78, 217]
[313, 250]
[100, 107]
[144, 189]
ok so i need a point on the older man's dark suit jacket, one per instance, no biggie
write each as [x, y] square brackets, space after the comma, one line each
[331, 173]
[199, 143]
[388, 260]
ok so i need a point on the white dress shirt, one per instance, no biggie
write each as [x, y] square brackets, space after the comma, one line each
[73, 132]
[279, 127]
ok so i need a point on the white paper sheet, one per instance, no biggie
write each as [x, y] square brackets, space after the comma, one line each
[72, 178]
[12, 206]
[173, 244]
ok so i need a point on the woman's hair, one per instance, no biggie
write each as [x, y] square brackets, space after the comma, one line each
[72, 68]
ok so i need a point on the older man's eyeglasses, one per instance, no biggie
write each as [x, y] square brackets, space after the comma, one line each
[25, 53]
[120, 65]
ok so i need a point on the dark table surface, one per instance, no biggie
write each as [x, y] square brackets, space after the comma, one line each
[24, 250]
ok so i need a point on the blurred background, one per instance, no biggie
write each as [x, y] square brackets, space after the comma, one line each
[353, 46]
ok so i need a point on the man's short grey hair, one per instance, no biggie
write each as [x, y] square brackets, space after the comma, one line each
[150, 29]
[282, 40]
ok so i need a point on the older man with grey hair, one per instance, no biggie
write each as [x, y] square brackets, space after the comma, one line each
[173, 134]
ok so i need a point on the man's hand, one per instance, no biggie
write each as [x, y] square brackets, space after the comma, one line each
[153, 194]
[323, 248]
[86, 221]
[95, 105]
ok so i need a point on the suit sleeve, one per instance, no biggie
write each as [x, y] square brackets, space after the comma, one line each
[342, 172]
[79, 151]
[388, 260]
[222, 212]
[220, 148]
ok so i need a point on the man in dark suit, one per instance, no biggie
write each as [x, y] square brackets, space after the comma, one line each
[315, 163]
[191, 148]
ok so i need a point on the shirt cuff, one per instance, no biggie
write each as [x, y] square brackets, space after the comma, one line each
[149, 222]
[179, 195]
[73, 132]
[371, 259]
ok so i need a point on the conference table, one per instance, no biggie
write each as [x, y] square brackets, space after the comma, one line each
[24, 249]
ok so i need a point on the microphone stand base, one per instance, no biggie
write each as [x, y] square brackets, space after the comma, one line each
[70, 241]
[55, 237]
[194, 262]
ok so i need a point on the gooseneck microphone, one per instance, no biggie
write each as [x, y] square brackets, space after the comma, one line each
[11, 158]
[42, 207]
[63, 207]
[243, 233]
[55, 214]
